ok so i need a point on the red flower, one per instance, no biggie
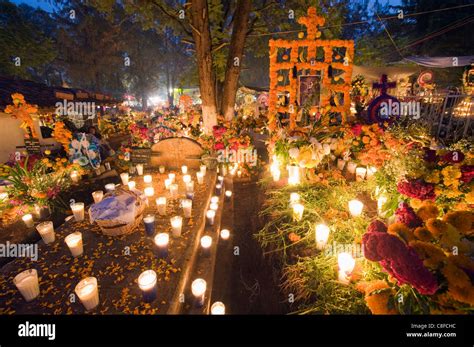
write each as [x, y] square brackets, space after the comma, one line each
[467, 173]
[417, 189]
[377, 226]
[357, 129]
[218, 131]
[219, 146]
[406, 215]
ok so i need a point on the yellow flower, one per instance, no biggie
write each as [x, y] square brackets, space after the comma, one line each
[401, 230]
[470, 197]
[423, 234]
[47, 152]
[431, 255]
[427, 210]
[433, 177]
[451, 175]
[437, 227]
[415, 203]
[461, 220]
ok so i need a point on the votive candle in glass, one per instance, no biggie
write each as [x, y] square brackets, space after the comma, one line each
[190, 187]
[322, 234]
[355, 207]
[220, 179]
[161, 241]
[74, 242]
[172, 177]
[161, 205]
[228, 194]
[210, 215]
[360, 173]
[214, 199]
[147, 179]
[149, 192]
[78, 211]
[276, 174]
[88, 292]
[203, 169]
[293, 174]
[173, 191]
[346, 264]
[75, 176]
[176, 225]
[109, 187]
[98, 195]
[124, 176]
[341, 163]
[132, 185]
[27, 283]
[371, 170]
[198, 288]
[200, 177]
[46, 230]
[218, 308]
[294, 198]
[168, 183]
[149, 221]
[186, 178]
[351, 167]
[161, 169]
[298, 210]
[184, 169]
[225, 234]
[140, 169]
[214, 206]
[218, 189]
[28, 220]
[147, 284]
[187, 205]
[206, 242]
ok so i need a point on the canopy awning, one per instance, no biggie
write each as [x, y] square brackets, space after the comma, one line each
[442, 62]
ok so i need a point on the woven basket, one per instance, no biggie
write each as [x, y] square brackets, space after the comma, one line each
[111, 228]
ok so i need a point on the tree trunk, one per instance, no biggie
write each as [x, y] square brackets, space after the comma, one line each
[202, 39]
[234, 59]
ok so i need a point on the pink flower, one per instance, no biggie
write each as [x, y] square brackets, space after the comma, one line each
[218, 131]
[219, 146]
[357, 129]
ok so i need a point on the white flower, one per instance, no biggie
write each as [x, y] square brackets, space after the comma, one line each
[294, 152]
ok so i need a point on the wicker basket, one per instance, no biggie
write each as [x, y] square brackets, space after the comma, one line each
[111, 228]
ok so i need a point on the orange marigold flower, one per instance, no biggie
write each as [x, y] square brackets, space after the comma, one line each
[427, 211]
[436, 227]
[423, 234]
[461, 220]
[377, 296]
[431, 255]
[402, 231]
[294, 237]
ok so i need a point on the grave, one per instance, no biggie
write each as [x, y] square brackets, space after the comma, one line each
[175, 152]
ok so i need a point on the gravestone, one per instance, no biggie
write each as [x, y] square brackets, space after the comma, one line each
[175, 152]
[32, 146]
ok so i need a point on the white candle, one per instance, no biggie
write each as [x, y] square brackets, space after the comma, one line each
[168, 183]
[124, 176]
[298, 211]
[109, 187]
[174, 190]
[147, 284]
[27, 283]
[172, 177]
[225, 234]
[239, 173]
[203, 169]
[351, 167]
[346, 265]
[276, 174]
[355, 207]
[224, 170]
[214, 206]
[98, 195]
[294, 198]
[214, 199]
[140, 169]
[176, 225]
[200, 177]
[210, 215]
[340, 164]
[149, 192]
[88, 292]
[74, 242]
[184, 169]
[187, 205]
[78, 211]
[147, 179]
[293, 175]
[198, 288]
[190, 187]
[161, 205]
[371, 170]
[161, 241]
[75, 176]
[228, 194]
[161, 169]
[322, 234]
[220, 179]
[381, 201]
[186, 178]
[46, 230]
[28, 219]
[217, 308]
[206, 242]
[360, 173]
[132, 185]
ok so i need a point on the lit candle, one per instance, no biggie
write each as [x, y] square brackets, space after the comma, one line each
[355, 207]
[168, 183]
[360, 173]
[224, 170]
[109, 187]
[217, 308]
[161, 169]
[228, 195]
[78, 211]
[220, 179]
[149, 221]
[184, 169]
[351, 167]
[187, 205]
[203, 169]
[132, 185]
[206, 242]
[210, 214]
[28, 220]
[346, 265]
[214, 206]
[75, 176]
[214, 199]
[124, 176]
[140, 169]
[161, 205]
[161, 242]
[276, 173]
[293, 175]
[190, 187]
[340, 164]
[239, 173]
[147, 179]
[46, 230]
[186, 178]
[200, 177]
[218, 189]
[27, 283]
[174, 191]
[381, 201]
[198, 288]
[294, 198]
[298, 211]
[147, 284]
[88, 292]
[322, 234]
[172, 177]
[371, 170]
[176, 225]
[74, 242]
[98, 195]
[149, 192]
[225, 234]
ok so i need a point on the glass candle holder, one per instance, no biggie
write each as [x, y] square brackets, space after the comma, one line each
[206, 242]
[218, 308]
[88, 292]
[346, 265]
[210, 216]
[78, 211]
[355, 207]
[218, 190]
[190, 187]
[109, 187]
[228, 195]
[360, 173]
[161, 205]
[186, 178]
[200, 177]
[27, 283]
[28, 220]
[161, 241]
[174, 191]
[225, 234]
[46, 230]
[139, 169]
[351, 167]
[187, 205]
[198, 288]
[161, 169]
[149, 221]
[184, 169]
[147, 284]
[75, 177]
[147, 179]
[176, 225]
[321, 234]
[124, 176]
[298, 210]
[172, 177]
[132, 185]
[203, 169]
[214, 206]
[75, 244]
[167, 183]
[98, 195]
